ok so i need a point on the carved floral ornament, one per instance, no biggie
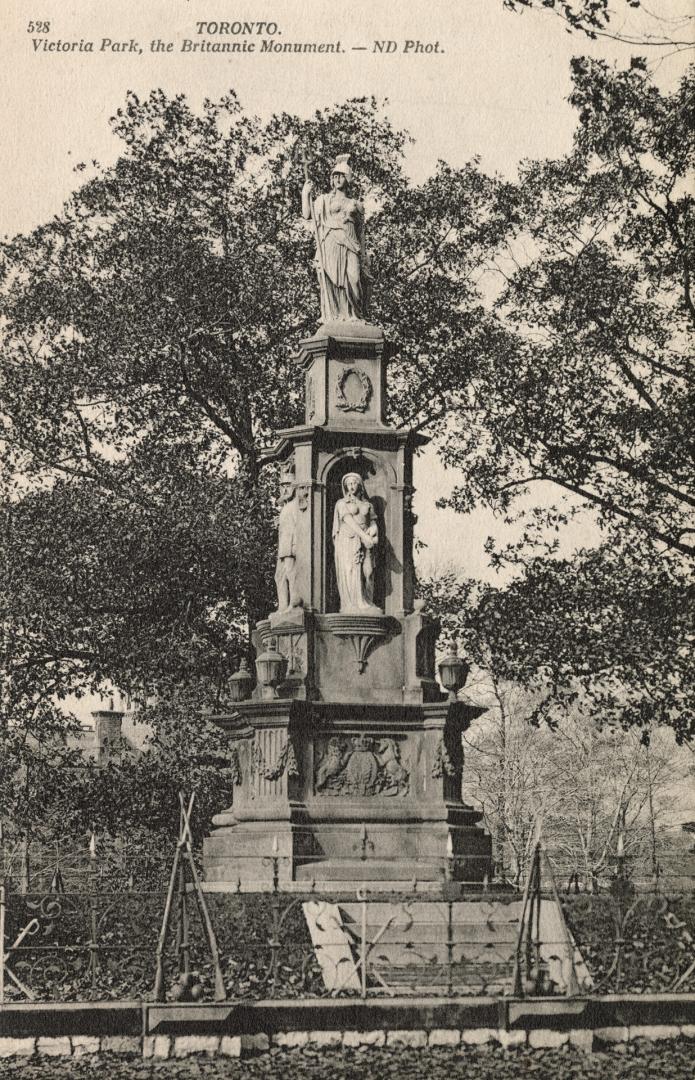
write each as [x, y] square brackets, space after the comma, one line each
[286, 762]
[361, 766]
[353, 403]
[442, 765]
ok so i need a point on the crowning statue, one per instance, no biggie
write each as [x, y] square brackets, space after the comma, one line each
[355, 535]
[343, 266]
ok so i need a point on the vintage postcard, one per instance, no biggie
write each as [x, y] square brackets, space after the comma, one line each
[347, 534]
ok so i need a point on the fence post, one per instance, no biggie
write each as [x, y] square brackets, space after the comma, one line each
[93, 919]
[450, 948]
[2, 942]
[276, 912]
[364, 949]
[523, 943]
[24, 870]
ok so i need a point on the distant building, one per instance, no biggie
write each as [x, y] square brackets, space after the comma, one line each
[112, 733]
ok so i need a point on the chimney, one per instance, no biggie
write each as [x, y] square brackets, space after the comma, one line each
[107, 733]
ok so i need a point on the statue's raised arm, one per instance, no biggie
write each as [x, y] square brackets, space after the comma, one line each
[341, 257]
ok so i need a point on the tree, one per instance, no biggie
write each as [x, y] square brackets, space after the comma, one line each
[506, 771]
[579, 787]
[148, 332]
[602, 19]
[603, 627]
[549, 756]
[608, 785]
[585, 405]
[589, 391]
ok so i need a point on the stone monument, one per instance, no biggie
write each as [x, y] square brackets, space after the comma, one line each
[346, 755]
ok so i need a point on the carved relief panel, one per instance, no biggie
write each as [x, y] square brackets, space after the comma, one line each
[359, 766]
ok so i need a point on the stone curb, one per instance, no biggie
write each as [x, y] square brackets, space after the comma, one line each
[180, 1046]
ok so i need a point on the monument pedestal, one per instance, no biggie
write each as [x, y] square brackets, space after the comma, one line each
[341, 794]
[347, 762]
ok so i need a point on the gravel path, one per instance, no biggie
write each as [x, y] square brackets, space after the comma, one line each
[672, 1060]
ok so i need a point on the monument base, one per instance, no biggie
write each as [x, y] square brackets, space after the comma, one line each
[331, 792]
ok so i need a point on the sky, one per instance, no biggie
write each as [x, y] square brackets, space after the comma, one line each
[494, 84]
[496, 88]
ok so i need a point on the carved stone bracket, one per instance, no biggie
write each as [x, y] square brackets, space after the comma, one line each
[362, 631]
[442, 765]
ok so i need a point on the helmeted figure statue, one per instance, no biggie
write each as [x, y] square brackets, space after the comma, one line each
[343, 266]
[286, 566]
[355, 535]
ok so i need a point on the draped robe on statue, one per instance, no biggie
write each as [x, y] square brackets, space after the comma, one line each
[355, 533]
[340, 223]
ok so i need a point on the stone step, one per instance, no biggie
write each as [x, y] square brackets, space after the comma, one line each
[363, 870]
[427, 944]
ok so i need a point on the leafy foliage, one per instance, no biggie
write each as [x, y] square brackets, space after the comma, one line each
[147, 335]
[550, 755]
[590, 388]
[585, 408]
[603, 18]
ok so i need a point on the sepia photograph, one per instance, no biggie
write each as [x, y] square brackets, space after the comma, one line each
[347, 711]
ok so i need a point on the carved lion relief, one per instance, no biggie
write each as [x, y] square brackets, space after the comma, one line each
[361, 766]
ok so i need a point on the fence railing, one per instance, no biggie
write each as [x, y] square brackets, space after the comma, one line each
[78, 863]
[123, 866]
[99, 944]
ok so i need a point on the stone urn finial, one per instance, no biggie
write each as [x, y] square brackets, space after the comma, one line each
[240, 684]
[453, 672]
[271, 668]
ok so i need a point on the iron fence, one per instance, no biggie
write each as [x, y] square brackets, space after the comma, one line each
[77, 863]
[118, 865]
[452, 940]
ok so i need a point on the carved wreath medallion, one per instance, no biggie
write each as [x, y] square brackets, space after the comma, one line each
[348, 396]
[361, 766]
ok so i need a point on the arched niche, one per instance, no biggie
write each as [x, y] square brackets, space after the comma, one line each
[378, 476]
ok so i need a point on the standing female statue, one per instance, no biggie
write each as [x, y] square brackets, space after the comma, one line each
[355, 535]
[341, 255]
